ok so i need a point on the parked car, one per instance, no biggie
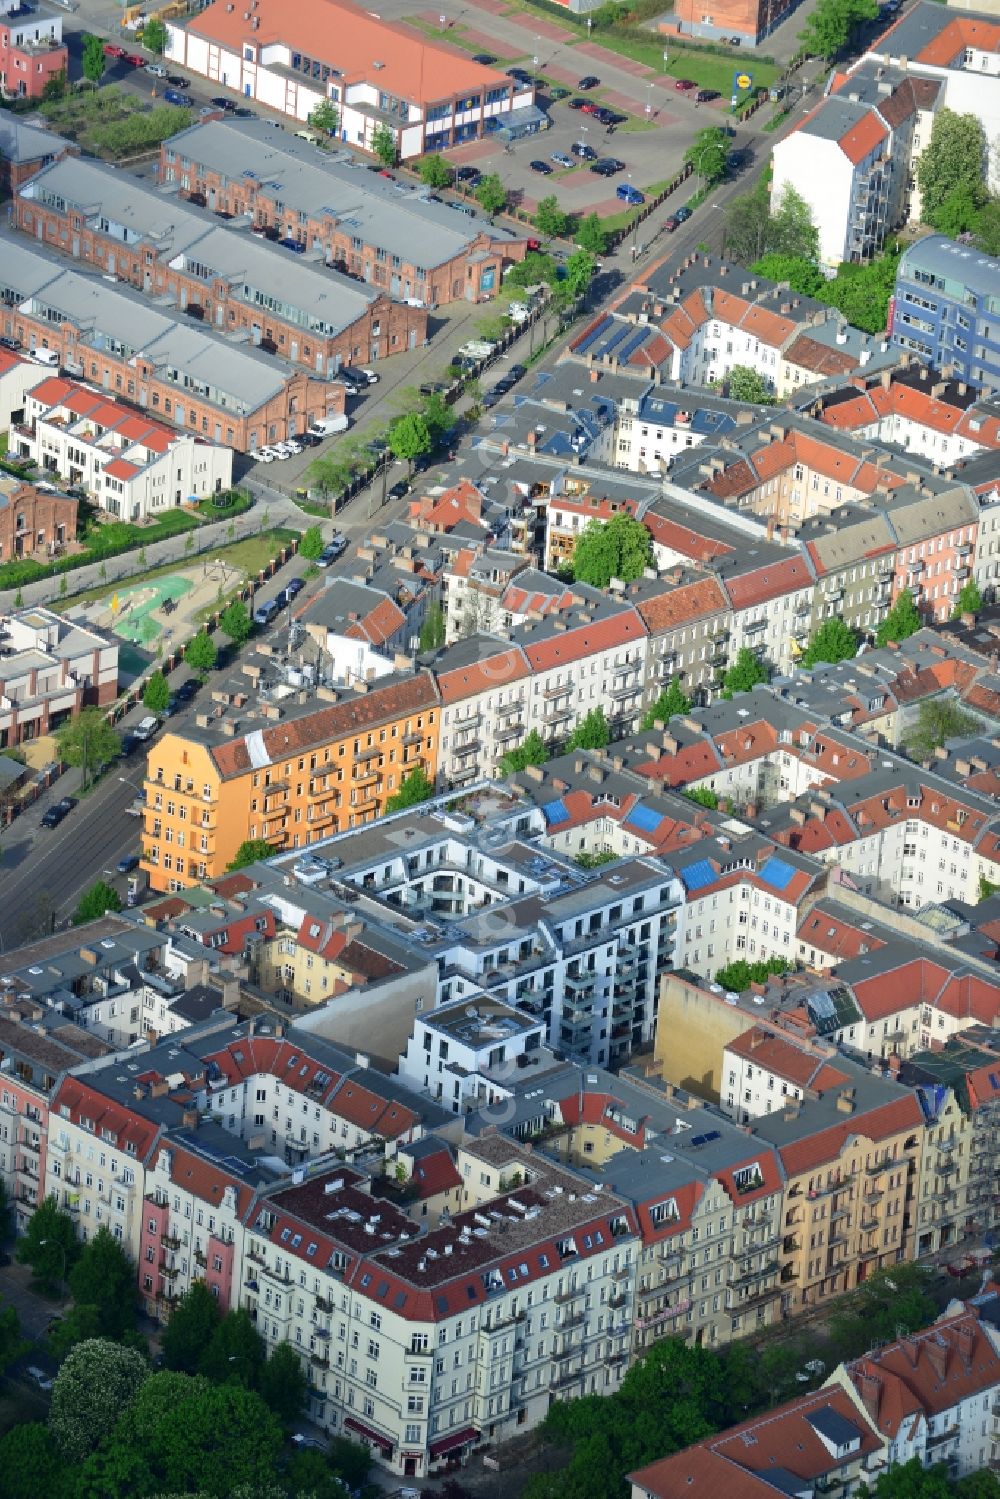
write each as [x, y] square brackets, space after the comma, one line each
[585, 152]
[471, 175]
[294, 587]
[266, 612]
[670, 224]
[220, 103]
[578, 103]
[172, 96]
[126, 865]
[399, 489]
[176, 81]
[10, 343]
[146, 728]
[607, 166]
[519, 75]
[629, 194]
[156, 70]
[684, 84]
[187, 690]
[111, 49]
[682, 215]
[485, 58]
[589, 80]
[562, 160]
[704, 95]
[555, 94]
[516, 372]
[295, 245]
[54, 816]
[135, 59]
[589, 107]
[335, 547]
[541, 167]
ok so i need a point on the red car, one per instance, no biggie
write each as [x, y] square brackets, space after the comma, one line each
[685, 83]
[589, 108]
[135, 59]
[670, 224]
[110, 50]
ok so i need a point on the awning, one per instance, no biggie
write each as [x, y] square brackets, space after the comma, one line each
[370, 1434]
[453, 1440]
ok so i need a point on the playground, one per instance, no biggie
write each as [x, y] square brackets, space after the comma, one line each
[148, 614]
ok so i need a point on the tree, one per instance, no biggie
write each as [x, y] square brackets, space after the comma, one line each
[235, 621]
[988, 228]
[96, 902]
[670, 701]
[791, 230]
[591, 235]
[703, 796]
[154, 36]
[969, 600]
[79, 1324]
[351, 1461]
[580, 268]
[311, 543]
[435, 171]
[534, 269]
[550, 219]
[833, 641]
[801, 274]
[432, 630]
[49, 1244]
[31, 1465]
[96, 1383]
[87, 740]
[953, 159]
[12, 1345]
[409, 437]
[93, 59]
[250, 851]
[417, 787]
[708, 154]
[741, 974]
[54, 87]
[833, 23]
[190, 1330]
[325, 117]
[745, 384]
[182, 1435]
[938, 720]
[156, 694]
[746, 671]
[532, 751]
[235, 1352]
[901, 621]
[591, 732]
[282, 1384]
[384, 145]
[912, 1481]
[959, 211]
[491, 195]
[201, 654]
[618, 548]
[748, 233]
[104, 1277]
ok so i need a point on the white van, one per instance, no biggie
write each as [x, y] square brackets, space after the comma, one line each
[48, 357]
[326, 426]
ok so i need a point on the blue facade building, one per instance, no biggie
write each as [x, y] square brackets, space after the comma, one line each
[946, 309]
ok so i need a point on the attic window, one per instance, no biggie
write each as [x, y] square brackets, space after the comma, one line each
[748, 1178]
[286, 1234]
[665, 1212]
[311, 1250]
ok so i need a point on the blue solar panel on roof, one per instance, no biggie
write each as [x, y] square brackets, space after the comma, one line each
[697, 875]
[555, 811]
[777, 873]
[593, 335]
[633, 344]
[644, 818]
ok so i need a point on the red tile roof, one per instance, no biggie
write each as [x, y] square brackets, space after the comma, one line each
[583, 640]
[860, 141]
[825, 1146]
[786, 1059]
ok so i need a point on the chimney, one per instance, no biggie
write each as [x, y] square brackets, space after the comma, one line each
[870, 1389]
[189, 1118]
[845, 1101]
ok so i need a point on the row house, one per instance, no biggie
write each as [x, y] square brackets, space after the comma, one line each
[936, 538]
[32, 51]
[238, 284]
[763, 1068]
[476, 581]
[689, 627]
[853, 552]
[770, 591]
[955, 1192]
[910, 1001]
[927, 414]
[409, 247]
[590, 656]
[485, 707]
[51, 669]
[132, 466]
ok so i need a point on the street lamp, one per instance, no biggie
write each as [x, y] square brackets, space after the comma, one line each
[62, 1250]
[649, 100]
[666, 59]
[443, 19]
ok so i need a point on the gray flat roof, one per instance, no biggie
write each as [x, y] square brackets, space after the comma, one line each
[20, 142]
[116, 319]
[945, 257]
[315, 181]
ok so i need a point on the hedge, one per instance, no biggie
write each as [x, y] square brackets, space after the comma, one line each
[102, 542]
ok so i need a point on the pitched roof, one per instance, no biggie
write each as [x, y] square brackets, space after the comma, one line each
[825, 1146]
[682, 606]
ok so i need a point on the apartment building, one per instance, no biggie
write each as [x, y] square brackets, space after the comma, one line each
[403, 243]
[460, 1054]
[158, 362]
[485, 688]
[763, 1069]
[133, 467]
[32, 51]
[306, 770]
[424, 1347]
[51, 669]
[17, 377]
[942, 420]
[590, 655]
[688, 623]
[943, 309]
[851, 1161]
[378, 73]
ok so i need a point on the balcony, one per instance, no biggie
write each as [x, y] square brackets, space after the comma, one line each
[575, 1319]
[562, 1298]
[170, 1241]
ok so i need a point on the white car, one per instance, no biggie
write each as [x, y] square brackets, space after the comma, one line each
[265, 455]
[156, 69]
[370, 376]
[292, 445]
[281, 451]
[562, 160]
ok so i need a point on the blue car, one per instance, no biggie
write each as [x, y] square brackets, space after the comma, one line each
[295, 245]
[628, 193]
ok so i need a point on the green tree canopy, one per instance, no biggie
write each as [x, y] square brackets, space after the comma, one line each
[536, 267]
[708, 154]
[746, 671]
[96, 901]
[12, 1345]
[673, 699]
[311, 543]
[580, 268]
[901, 621]
[93, 60]
[959, 211]
[745, 384]
[282, 1383]
[550, 219]
[384, 146]
[351, 1461]
[235, 1352]
[235, 621]
[189, 1332]
[409, 437]
[969, 600]
[250, 851]
[532, 751]
[618, 548]
[953, 160]
[591, 235]
[156, 693]
[591, 732]
[432, 629]
[417, 787]
[832, 25]
[801, 274]
[704, 796]
[938, 720]
[31, 1466]
[740, 975]
[87, 740]
[756, 227]
[49, 1244]
[104, 1277]
[988, 228]
[154, 36]
[201, 654]
[97, 1382]
[435, 171]
[833, 641]
[325, 116]
[80, 1323]
[491, 195]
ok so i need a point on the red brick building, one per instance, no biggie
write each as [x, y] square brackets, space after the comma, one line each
[25, 149]
[31, 52]
[750, 20]
[33, 522]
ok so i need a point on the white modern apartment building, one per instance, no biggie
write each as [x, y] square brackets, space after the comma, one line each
[133, 466]
[461, 1054]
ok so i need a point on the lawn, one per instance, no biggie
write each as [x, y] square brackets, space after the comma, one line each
[704, 68]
